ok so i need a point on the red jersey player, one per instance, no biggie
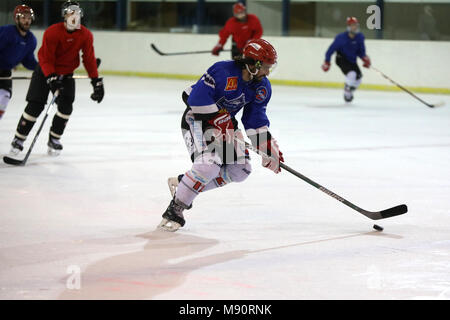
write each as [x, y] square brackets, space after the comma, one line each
[242, 27]
[58, 58]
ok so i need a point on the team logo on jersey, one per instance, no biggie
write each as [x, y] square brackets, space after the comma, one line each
[232, 84]
[261, 94]
[233, 104]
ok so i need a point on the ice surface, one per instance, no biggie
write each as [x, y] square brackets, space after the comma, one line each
[272, 237]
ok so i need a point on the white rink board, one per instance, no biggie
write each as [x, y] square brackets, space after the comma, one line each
[410, 63]
[271, 237]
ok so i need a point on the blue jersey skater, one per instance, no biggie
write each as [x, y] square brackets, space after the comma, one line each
[348, 46]
[17, 45]
[210, 129]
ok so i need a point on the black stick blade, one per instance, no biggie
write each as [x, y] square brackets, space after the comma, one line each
[395, 211]
[157, 50]
[13, 162]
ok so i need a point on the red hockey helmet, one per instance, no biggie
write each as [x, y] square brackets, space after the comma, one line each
[21, 10]
[352, 20]
[260, 50]
[352, 25]
[239, 8]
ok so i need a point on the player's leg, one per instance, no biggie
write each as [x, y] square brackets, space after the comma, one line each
[65, 107]
[237, 171]
[352, 82]
[5, 91]
[352, 74]
[37, 98]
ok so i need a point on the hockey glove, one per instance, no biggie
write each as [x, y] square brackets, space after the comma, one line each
[223, 127]
[326, 66]
[99, 91]
[216, 50]
[366, 63]
[55, 82]
[270, 147]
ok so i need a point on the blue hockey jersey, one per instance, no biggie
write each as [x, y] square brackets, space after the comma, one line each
[15, 49]
[222, 87]
[348, 47]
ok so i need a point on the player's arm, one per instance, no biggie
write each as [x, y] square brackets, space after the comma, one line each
[5, 38]
[256, 125]
[90, 64]
[362, 53]
[205, 110]
[258, 30]
[47, 60]
[29, 61]
[48, 56]
[224, 33]
[331, 49]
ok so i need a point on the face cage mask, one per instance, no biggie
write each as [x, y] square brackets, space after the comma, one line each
[349, 29]
[74, 20]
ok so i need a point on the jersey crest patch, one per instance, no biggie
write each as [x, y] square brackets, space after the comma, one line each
[232, 84]
[232, 105]
[261, 94]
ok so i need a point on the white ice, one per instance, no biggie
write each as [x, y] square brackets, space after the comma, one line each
[95, 208]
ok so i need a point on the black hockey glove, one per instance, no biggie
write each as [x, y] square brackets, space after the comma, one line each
[55, 82]
[99, 91]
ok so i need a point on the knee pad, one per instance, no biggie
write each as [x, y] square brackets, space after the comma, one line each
[204, 172]
[352, 79]
[236, 172]
[34, 108]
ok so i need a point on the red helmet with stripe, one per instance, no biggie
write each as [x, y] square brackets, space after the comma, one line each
[260, 50]
[21, 10]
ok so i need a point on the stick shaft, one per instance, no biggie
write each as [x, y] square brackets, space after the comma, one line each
[402, 87]
[182, 52]
[29, 77]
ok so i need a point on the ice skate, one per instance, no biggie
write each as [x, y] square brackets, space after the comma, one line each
[173, 217]
[348, 93]
[16, 147]
[54, 147]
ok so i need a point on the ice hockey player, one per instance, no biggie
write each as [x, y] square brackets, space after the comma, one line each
[348, 46]
[58, 58]
[17, 44]
[211, 132]
[242, 27]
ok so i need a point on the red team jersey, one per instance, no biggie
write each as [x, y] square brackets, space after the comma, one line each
[241, 31]
[60, 51]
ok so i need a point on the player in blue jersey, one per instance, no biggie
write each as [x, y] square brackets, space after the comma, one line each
[211, 132]
[17, 44]
[348, 46]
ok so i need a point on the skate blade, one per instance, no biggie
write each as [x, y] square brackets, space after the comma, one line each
[53, 152]
[173, 184]
[170, 226]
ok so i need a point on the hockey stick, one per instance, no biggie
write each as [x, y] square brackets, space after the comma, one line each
[98, 61]
[29, 77]
[16, 162]
[374, 215]
[180, 53]
[406, 90]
